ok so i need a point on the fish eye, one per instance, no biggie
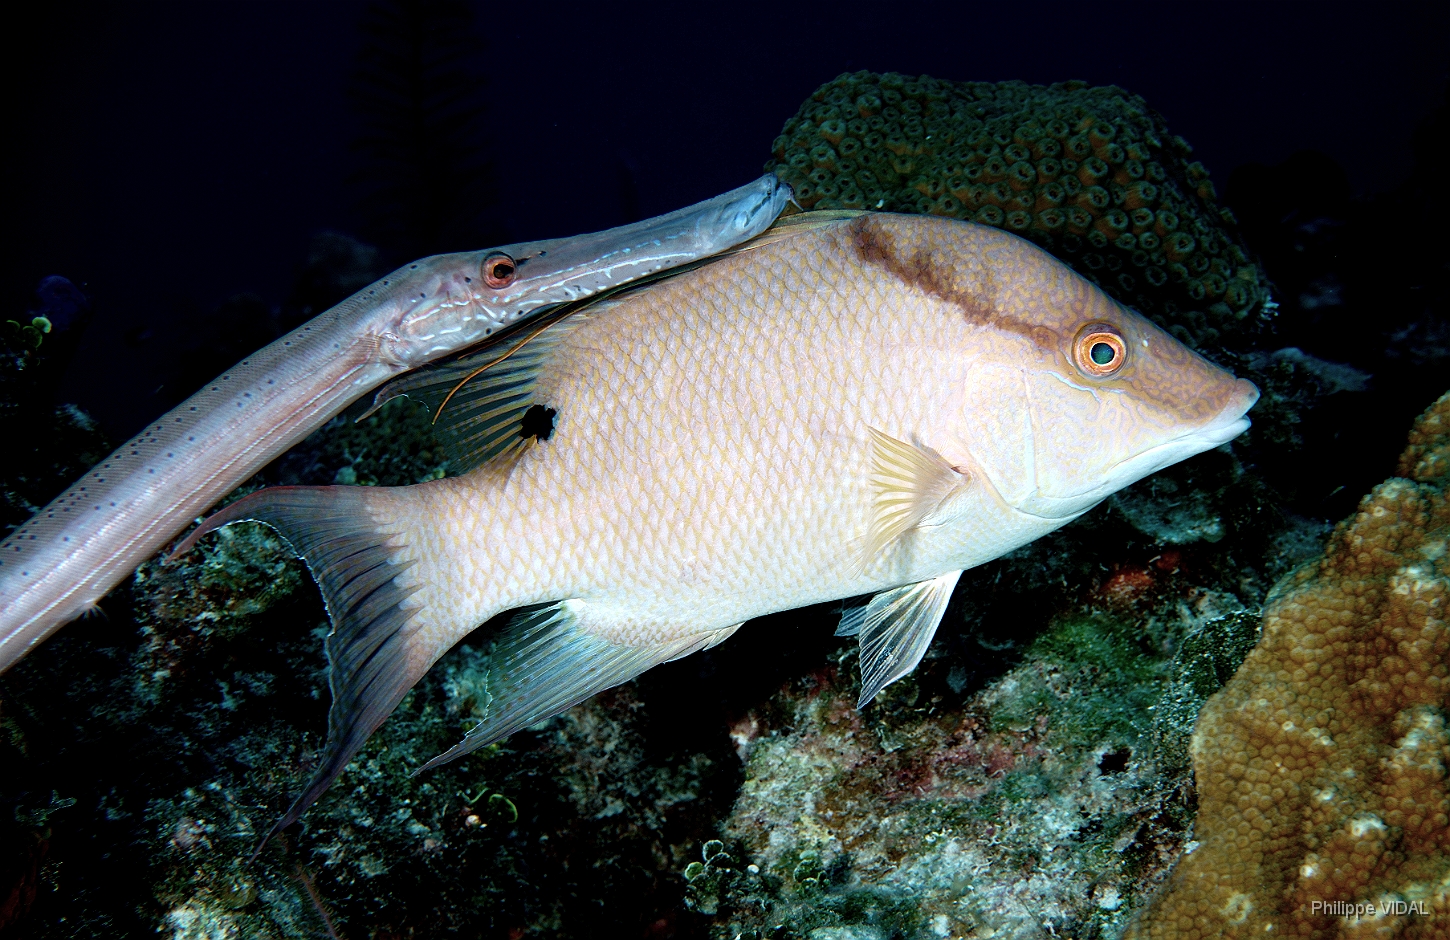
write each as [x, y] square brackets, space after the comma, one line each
[1100, 350]
[499, 270]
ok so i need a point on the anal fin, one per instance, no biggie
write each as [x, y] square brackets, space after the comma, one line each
[852, 619]
[895, 628]
[374, 650]
[549, 659]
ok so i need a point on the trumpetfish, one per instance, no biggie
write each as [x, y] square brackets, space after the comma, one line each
[851, 404]
[58, 564]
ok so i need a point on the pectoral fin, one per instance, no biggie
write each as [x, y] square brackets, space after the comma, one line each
[895, 628]
[911, 486]
[552, 658]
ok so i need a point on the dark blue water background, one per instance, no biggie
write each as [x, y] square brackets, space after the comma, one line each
[169, 156]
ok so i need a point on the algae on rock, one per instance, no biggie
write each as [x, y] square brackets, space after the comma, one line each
[1050, 799]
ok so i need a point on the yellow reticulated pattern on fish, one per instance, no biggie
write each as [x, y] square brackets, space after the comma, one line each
[1321, 766]
[1091, 174]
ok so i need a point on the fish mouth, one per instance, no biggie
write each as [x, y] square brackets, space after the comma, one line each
[1229, 423]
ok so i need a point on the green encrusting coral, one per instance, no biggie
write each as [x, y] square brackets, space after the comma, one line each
[1092, 174]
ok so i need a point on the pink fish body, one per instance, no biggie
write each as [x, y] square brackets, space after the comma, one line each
[852, 404]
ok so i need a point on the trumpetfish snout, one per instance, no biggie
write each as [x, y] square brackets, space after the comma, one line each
[64, 559]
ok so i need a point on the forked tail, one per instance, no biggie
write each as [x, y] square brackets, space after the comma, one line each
[375, 651]
[355, 540]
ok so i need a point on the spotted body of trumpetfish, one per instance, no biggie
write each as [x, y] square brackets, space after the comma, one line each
[58, 564]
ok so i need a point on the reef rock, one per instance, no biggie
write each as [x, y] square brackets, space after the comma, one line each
[1048, 801]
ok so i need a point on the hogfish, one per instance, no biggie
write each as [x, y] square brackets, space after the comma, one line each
[852, 404]
[64, 559]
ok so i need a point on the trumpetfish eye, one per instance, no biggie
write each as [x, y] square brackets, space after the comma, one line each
[1100, 350]
[499, 270]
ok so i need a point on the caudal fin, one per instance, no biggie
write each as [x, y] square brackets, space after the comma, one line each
[375, 651]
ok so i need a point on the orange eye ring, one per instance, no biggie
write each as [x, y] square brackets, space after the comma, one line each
[499, 270]
[1100, 350]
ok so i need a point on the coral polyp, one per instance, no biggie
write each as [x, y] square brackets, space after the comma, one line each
[1321, 766]
[1089, 173]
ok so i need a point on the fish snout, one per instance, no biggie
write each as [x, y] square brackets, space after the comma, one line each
[767, 197]
[1232, 419]
[1244, 396]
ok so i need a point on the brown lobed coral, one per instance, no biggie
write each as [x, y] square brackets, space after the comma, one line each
[1321, 766]
[1091, 174]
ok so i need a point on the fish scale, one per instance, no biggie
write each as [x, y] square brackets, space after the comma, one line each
[853, 404]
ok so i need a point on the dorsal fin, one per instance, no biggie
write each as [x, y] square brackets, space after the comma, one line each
[478, 401]
[787, 226]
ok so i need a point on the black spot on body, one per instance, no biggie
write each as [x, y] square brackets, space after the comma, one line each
[538, 422]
